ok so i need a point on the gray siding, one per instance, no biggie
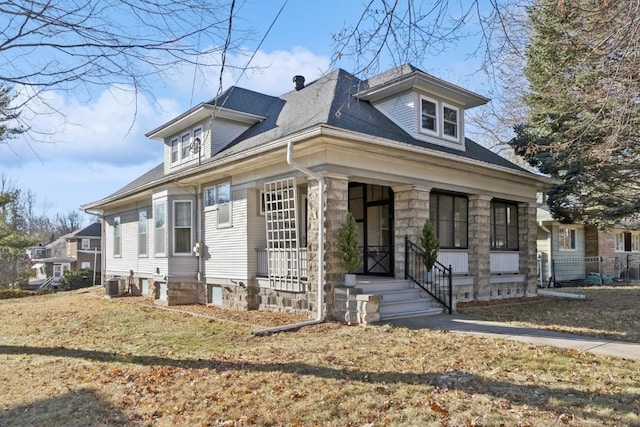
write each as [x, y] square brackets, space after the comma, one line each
[402, 109]
[223, 132]
[226, 247]
[256, 231]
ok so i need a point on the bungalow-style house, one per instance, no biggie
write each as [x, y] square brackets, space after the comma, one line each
[244, 209]
[80, 249]
[572, 252]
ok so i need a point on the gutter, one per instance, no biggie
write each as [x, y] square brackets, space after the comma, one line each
[320, 303]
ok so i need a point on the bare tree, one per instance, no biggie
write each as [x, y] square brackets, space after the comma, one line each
[77, 45]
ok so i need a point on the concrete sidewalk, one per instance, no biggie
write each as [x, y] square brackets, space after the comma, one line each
[469, 325]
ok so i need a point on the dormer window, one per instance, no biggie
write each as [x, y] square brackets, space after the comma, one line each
[429, 115]
[450, 121]
[186, 148]
[175, 151]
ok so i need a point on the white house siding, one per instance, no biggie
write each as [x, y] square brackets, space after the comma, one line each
[223, 132]
[402, 109]
[129, 259]
[569, 265]
[256, 231]
[544, 254]
[226, 247]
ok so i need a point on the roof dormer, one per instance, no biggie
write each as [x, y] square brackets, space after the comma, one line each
[426, 107]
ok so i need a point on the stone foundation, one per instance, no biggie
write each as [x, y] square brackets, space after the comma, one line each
[284, 302]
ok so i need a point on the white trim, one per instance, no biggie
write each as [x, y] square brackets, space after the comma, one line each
[117, 244]
[175, 227]
[572, 230]
[82, 243]
[458, 123]
[157, 230]
[437, 119]
[144, 254]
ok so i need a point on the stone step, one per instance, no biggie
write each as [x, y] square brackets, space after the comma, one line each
[402, 295]
[404, 306]
[377, 286]
[432, 311]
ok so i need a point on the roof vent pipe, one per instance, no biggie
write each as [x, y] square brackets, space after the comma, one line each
[299, 81]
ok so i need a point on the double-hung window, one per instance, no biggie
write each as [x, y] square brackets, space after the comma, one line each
[117, 237]
[566, 239]
[504, 226]
[449, 215]
[450, 121]
[185, 146]
[182, 227]
[142, 232]
[219, 196]
[175, 151]
[159, 227]
[86, 244]
[429, 115]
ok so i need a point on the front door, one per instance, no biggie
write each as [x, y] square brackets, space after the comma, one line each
[372, 208]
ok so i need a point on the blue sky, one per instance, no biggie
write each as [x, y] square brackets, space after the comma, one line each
[99, 144]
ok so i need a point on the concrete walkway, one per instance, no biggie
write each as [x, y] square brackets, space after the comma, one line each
[469, 325]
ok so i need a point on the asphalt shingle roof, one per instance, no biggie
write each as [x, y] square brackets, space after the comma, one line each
[329, 101]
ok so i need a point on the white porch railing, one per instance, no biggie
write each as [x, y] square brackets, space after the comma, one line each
[457, 259]
[263, 262]
[505, 262]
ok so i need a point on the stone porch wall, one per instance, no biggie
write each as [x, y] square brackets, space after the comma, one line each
[479, 245]
[527, 239]
[411, 204]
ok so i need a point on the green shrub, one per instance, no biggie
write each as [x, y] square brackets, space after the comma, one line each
[15, 293]
[77, 279]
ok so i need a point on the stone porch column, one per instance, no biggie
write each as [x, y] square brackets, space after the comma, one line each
[336, 204]
[479, 245]
[527, 237]
[411, 210]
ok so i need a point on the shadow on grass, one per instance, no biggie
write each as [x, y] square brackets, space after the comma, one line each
[82, 407]
[547, 398]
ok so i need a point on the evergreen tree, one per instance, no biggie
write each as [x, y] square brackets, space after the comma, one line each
[582, 128]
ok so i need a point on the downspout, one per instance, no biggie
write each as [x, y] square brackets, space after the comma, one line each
[320, 303]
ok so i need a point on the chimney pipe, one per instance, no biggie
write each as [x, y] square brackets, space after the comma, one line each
[299, 81]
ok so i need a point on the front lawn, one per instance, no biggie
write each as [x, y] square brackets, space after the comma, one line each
[77, 359]
[607, 312]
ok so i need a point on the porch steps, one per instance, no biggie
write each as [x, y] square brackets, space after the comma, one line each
[400, 298]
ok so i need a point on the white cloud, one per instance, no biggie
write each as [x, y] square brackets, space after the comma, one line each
[94, 147]
[108, 130]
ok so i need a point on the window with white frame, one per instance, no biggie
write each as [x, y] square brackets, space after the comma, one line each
[429, 115]
[175, 150]
[86, 243]
[197, 140]
[566, 239]
[185, 146]
[619, 242]
[117, 237]
[142, 232]
[160, 228]
[85, 264]
[450, 121]
[635, 242]
[219, 196]
[182, 220]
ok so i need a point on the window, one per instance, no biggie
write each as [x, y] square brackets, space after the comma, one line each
[504, 226]
[450, 121]
[449, 215]
[197, 136]
[429, 116]
[159, 217]
[86, 243]
[619, 242]
[182, 227]
[567, 239]
[85, 264]
[635, 242]
[175, 151]
[117, 237]
[219, 196]
[185, 147]
[142, 232]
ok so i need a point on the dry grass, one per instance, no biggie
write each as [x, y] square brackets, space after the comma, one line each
[608, 312]
[76, 360]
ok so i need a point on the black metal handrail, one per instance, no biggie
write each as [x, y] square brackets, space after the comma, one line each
[438, 282]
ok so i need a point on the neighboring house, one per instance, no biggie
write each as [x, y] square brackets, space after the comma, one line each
[571, 252]
[390, 149]
[80, 249]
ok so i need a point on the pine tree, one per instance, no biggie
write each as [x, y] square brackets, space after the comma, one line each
[583, 123]
[348, 245]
